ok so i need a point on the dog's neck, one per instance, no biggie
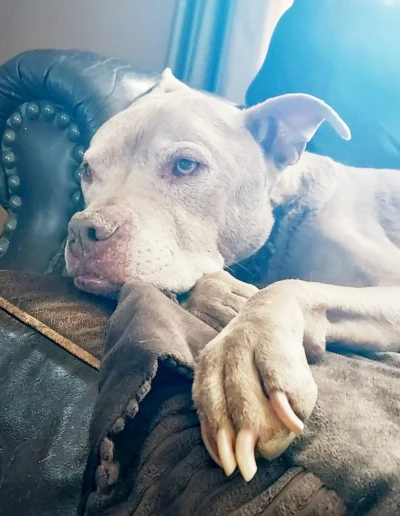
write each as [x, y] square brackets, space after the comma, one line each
[300, 189]
[256, 269]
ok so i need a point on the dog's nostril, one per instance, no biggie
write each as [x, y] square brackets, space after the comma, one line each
[91, 235]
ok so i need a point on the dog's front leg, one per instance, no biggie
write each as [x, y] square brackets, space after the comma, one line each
[360, 319]
[253, 387]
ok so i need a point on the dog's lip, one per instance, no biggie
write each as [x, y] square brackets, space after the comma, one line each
[95, 285]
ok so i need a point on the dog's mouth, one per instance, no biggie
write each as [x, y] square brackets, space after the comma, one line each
[97, 285]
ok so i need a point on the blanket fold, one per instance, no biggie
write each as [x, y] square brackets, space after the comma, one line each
[146, 454]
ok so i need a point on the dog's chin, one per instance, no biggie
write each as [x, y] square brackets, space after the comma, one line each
[98, 286]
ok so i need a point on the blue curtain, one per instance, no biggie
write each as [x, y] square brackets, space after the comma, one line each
[198, 41]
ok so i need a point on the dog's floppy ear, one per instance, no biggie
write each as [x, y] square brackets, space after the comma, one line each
[284, 125]
[169, 83]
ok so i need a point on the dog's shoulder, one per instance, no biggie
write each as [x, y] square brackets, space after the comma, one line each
[341, 222]
[317, 182]
[309, 184]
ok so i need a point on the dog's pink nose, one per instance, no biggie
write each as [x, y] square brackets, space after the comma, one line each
[85, 230]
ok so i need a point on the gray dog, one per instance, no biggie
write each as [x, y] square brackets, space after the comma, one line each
[181, 185]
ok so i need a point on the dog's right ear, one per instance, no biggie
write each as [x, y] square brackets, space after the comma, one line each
[169, 83]
[284, 125]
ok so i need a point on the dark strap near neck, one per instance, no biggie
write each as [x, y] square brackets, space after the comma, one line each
[254, 269]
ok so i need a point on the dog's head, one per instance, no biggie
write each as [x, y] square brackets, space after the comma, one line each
[177, 185]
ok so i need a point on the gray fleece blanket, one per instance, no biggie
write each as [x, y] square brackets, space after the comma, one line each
[147, 458]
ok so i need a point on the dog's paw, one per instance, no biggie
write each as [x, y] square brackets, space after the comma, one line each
[217, 298]
[253, 388]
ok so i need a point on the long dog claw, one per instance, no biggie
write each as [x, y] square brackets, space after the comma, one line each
[245, 453]
[225, 444]
[209, 442]
[284, 411]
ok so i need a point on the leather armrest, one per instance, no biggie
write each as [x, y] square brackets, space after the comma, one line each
[51, 104]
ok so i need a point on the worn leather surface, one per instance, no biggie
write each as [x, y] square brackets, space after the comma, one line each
[55, 301]
[46, 400]
[90, 89]
[345, 52]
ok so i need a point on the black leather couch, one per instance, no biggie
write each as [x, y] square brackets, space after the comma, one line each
[51, 104]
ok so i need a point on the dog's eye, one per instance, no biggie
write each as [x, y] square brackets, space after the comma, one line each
[86, 173]
[185, 167]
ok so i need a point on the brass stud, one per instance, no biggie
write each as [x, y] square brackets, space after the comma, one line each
[78, 175]
[63, 120]
[14, 182]
[11, 224]
[78, 153]
[32, 111]
[48, 111]
[9, 137]
[73, 133]
[15, 120]
[76, 197]
[9, 159]
[15, 202]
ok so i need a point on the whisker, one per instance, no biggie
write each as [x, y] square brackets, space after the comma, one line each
[242, 267]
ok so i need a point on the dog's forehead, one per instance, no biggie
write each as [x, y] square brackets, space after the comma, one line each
[176, 116]
[188, 100]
